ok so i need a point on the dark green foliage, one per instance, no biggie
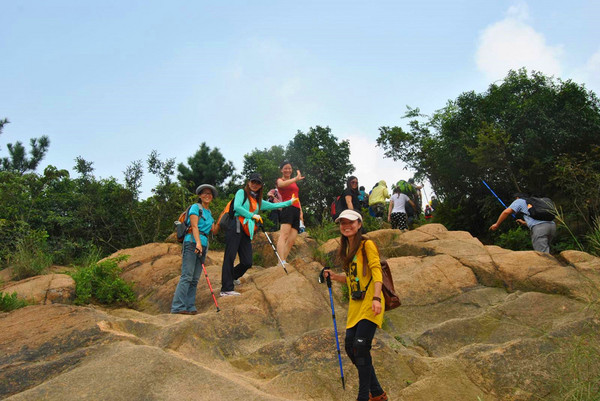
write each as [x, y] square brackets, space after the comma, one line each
[325, 162]
[524, 134]
[206, 166]
[10, 302]
[100, 282]
[18, 161]
[516, 239]
[266, 162]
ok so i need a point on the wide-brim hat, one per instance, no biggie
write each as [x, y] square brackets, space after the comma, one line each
[204, 186]
[349, 214]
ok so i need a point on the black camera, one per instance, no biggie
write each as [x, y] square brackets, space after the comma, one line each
[358, 295]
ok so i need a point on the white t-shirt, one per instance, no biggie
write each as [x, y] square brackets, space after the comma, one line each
[399, 201]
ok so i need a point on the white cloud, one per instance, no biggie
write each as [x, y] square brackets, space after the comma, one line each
[590, 73]
[512, 43]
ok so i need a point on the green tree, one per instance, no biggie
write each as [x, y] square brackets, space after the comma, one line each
[18, 160]
[206, 166]
[325, 162]
[266, 162]
[513, 136]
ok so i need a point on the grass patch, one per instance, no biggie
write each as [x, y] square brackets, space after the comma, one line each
[31, 256]
[10, 302]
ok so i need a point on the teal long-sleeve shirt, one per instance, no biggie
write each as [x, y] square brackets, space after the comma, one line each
[242, 209]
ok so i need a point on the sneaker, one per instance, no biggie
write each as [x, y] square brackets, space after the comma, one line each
[237, 282]
[229, 293]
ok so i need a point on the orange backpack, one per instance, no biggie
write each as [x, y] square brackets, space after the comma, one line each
[228, 213]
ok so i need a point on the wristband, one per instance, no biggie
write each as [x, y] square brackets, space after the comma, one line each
[377, 299]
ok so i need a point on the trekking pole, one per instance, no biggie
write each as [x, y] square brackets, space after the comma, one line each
[493, 193]
[337, 341]
[210, 286]
[499, 200]
[273, 246]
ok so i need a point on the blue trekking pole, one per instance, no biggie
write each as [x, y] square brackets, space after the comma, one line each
[499, 200]
[493, 193]
[337, 341]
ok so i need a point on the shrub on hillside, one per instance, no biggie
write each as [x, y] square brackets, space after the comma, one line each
[100, 282]
[10, 302]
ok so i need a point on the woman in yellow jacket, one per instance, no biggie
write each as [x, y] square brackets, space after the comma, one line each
[365, 311]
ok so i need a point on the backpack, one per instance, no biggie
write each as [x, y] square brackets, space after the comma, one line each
[336, 208]
[227, 214]
[182, 228]
[392, 301]
[406, 188]
[541, 208]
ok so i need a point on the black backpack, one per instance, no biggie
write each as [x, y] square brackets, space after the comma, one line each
[541, 208]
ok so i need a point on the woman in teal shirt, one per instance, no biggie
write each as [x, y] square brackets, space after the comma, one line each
[195, 245]
[247, 205]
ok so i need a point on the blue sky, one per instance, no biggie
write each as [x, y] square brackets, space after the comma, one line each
[110, 81]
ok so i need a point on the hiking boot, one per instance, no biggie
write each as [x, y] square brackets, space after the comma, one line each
[382, 397]
[237, 282]
[229, 293]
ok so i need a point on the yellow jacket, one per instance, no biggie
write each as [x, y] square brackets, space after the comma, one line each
[379, 194]
[359, 310]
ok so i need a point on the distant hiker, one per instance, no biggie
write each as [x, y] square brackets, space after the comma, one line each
[195, 246]
[273, 196]
[397, 210]
[349, 198]
[428, 212]
[542, 232]
[363, 198]
[418, 198]
[291, 216]
[366, 305]
[378, 197]
[435, 203]
[247, 204]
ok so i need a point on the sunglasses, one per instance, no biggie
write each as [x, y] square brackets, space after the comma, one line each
[256, 182]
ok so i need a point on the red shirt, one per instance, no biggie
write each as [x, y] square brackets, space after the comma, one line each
[287, 192]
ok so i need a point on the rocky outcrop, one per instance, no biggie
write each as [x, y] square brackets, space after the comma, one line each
[477, 323]
[46, 289]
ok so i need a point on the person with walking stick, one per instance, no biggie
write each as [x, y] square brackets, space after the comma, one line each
[195, 246]
[366, 306]
[247, 204]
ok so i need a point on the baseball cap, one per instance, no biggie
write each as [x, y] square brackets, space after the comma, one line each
[349, 214]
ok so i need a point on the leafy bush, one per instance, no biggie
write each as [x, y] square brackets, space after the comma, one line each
[101, 282]
[516, 239]
[31, 256]
[9, 302]
[324, 231]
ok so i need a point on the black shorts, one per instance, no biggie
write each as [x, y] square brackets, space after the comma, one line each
[290, 215]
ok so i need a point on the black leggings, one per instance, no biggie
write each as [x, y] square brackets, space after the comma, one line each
[236, 243]
[358, 347]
